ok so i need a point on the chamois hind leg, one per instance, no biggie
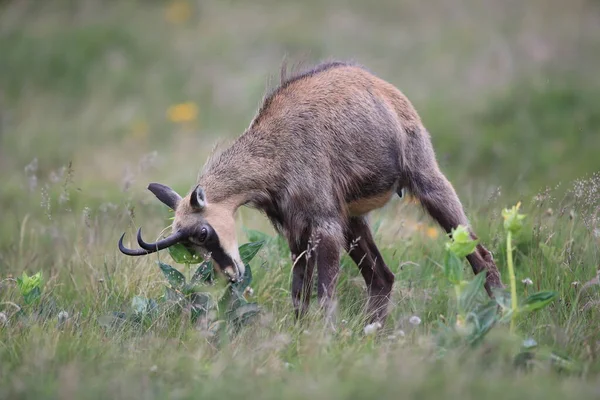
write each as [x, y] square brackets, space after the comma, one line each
[378, 278]
[440, 200]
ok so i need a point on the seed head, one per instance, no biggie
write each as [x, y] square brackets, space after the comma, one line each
[63, 316]
[372, 328]
[3, 319]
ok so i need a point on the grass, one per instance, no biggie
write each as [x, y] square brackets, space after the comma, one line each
[87, 90]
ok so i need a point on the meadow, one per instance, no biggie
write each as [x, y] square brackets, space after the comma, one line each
[97, 99]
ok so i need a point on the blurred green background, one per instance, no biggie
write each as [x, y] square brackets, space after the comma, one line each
[508, 89]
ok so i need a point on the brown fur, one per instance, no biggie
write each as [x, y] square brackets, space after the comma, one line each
[363, 206]
[326, 147]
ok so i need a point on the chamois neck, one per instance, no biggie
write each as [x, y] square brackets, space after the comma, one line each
[241, 173]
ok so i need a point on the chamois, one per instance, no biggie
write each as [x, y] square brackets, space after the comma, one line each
[326, 147]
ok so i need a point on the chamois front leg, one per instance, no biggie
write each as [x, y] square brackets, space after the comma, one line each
[302, 278]
[326, 243]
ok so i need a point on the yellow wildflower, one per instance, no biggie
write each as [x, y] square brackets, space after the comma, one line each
[178, 11]
[432, 232]
[184, 112]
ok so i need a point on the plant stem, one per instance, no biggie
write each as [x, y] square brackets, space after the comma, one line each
[513, 281]
[457, 293]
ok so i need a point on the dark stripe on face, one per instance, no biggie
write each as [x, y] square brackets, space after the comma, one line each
[219, 256]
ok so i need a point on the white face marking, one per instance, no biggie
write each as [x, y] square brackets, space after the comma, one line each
[235, 256]
[222, 221]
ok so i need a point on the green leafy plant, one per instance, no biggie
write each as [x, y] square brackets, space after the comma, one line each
[476, 314]
[201, 295]
[192, 294]
[30, 287]
[513, 224]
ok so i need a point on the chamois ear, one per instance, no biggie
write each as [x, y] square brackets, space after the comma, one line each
[165, 194]
[198, 199]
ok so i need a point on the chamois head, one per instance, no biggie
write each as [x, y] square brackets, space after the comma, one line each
[201, 227]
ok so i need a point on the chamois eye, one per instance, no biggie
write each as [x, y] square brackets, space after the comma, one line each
[203, 235]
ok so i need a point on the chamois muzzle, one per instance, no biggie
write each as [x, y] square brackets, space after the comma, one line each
[148, 248]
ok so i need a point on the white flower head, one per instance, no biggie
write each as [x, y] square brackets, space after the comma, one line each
[414, 320]
[372, 328]
[527, 282]
[62, 317]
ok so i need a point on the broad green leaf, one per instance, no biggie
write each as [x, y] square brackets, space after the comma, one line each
[502, 298]
[175, 278]
[245, 282]
[172, 296]
[188, 289]
[538, 300]
[506, 316]
[204, 273]
[33, 295]
[200, 303]
[181, 255]
[257, 236]
[143, 309]
[152, 305]
[461, 244]
[202, 300]
[469, 294]
[249, 250]
[139, 305]
[30, 286]
[196, 312]
[244, 312]
[453, 268]
[487, 315]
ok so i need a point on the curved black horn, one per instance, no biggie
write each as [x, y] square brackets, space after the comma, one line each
[165, 194]
[161, 244]
[131, 252]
